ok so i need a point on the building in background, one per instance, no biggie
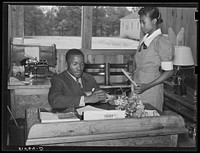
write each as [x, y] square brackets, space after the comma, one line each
[130, 26]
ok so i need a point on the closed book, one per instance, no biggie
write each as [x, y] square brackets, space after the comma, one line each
[49, 117]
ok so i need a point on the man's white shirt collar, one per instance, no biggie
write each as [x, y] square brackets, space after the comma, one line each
[147, 40]
[79, 79]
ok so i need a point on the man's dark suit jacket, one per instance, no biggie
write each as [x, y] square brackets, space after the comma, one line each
[65, 91]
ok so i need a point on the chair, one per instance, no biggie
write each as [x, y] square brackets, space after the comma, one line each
[115, 75]
[98, 71]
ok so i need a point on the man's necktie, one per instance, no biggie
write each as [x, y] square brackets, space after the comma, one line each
[77, 80]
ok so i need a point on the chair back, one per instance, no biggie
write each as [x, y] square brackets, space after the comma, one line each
[115, 75]
[98, 71]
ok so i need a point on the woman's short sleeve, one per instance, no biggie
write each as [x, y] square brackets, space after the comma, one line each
[165, 50]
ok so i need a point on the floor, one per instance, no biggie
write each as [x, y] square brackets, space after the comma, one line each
[185, 141]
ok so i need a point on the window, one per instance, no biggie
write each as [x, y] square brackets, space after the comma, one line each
[127, 26]
[138, 25]
[106, 28]
[61, 25]
[131, 25]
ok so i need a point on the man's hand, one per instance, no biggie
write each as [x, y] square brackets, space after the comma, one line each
[94, 97]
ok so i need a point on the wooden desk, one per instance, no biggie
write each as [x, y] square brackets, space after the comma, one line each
[27, 96]
[160, 131]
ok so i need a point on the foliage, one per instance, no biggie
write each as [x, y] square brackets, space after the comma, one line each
[66, 20]
[33, 17]
[133, 105]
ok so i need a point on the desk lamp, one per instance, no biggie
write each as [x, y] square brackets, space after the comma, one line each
[182, 59]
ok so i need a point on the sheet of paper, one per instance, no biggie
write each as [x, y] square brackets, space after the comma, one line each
[88, 108]
[127, 75]
[151, 113]
[32, 52]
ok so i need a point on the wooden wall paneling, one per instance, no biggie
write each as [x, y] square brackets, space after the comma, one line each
[58, 66]
[17, 24]
[9, 35]
[191, 32]
[176, 18]
[179, 21]
[63, 63]
[168, 15]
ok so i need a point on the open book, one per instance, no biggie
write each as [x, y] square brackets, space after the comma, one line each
[48, 116]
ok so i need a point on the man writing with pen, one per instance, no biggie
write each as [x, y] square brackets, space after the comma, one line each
[73, 87]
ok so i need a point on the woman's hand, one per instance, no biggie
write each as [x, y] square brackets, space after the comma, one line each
[140, 88]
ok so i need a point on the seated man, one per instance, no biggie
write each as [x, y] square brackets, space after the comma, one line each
[73, 87]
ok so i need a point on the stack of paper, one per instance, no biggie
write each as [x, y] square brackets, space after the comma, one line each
[15, 81]
[47, 117]
[88, 108]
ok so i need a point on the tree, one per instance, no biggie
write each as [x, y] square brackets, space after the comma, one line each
[98, 20]
[33, 17]
[113, 14]
[50, 22]
[66, 20]
[69, 20]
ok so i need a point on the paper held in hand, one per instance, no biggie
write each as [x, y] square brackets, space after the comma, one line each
[127, 75]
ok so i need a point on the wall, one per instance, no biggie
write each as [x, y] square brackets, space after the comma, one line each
[178, 18]
[130, 32]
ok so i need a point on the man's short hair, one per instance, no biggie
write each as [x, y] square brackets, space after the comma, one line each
[73, 52]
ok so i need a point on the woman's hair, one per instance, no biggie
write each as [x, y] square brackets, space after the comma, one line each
[73, 52]
[152, 12]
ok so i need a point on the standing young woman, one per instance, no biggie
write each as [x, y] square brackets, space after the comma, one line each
[153, 59]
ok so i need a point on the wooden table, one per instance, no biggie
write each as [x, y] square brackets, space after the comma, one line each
[159, 131]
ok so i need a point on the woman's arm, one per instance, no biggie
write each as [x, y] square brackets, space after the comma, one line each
[143, 87]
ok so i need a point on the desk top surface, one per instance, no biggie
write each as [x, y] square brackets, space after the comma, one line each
[146, 126]
[32, 116]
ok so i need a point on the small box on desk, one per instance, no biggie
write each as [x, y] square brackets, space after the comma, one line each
[104, 114]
